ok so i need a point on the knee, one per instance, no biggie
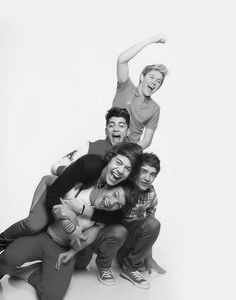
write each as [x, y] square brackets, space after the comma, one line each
[153, 225]
[32, 226]
[7, 263]
[47, 180]
[118, 233]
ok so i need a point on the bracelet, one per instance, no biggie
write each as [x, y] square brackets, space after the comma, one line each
[70, 228]
[82, 211]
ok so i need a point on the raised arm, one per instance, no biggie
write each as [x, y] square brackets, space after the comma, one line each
[127, 55]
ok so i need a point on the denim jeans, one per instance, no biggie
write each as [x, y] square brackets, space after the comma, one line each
[142, 234]
[36, 221]
[108, 242]
[50, 283]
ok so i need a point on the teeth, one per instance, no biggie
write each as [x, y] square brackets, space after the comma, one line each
[116, 138]
[116, 176]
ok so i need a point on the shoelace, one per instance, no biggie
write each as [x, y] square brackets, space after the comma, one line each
[137, 275]
[107, 274]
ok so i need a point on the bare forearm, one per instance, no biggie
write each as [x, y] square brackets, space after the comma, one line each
[131, 52]
[134, 50]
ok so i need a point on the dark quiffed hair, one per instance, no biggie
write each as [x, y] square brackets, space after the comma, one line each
[130, 150]
[151, 160]
[119, 113]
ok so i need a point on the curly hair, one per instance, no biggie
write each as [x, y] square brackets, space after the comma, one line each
[130, 150]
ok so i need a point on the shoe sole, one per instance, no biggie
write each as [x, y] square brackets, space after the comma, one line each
[105, 282]
[144, 287]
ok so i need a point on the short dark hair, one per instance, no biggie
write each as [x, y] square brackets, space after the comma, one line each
[151, 159]
[130, 150]
[119, 113]
[159, 67]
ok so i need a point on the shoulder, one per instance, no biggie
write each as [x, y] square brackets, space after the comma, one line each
[89, 161]
[155, 106]
[151, 192]
[128, 84]
[99, 147]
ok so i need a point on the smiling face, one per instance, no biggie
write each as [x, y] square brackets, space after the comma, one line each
[117, 170]
[110, 198]
[116, 130]
[146, 177]
[150, 83]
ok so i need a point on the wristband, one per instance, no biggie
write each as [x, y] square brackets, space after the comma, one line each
[69, 227]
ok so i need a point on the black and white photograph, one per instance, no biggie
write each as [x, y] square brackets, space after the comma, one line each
[117, 157]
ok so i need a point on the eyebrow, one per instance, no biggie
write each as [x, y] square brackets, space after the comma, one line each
[121, 122]
[117, 193]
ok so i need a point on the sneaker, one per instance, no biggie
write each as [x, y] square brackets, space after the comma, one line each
[106, 277]
[25, 272]
[135, 277]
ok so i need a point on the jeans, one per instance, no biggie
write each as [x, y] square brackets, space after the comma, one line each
[36, 221]
[50, 283]
[142, 234]
[108, 242]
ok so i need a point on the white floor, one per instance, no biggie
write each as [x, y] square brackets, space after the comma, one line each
[85, 283]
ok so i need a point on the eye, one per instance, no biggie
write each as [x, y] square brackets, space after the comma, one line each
[128, 169]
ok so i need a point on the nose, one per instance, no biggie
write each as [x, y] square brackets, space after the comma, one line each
[116, 128]
[147, 177]
[121, 169]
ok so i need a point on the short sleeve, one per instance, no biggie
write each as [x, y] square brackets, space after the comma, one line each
[153, 122]
[124, 93]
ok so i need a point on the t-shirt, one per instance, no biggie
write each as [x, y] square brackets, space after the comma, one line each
[144, 112]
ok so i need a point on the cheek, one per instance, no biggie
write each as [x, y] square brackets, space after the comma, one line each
[127, 174]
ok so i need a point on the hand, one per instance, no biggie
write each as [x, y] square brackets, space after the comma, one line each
[74, 205]
[64, 258]
[158, 39]
[76, 237]
[150, 264]
[62, 212]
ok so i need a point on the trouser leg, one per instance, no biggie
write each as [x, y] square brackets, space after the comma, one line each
[34, 223]
[38, 217]
[83, 258]
[22, 250]
[107, 243]
[144, 238]
[50, 283]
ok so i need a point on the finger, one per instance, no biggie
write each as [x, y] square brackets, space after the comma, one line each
[83, 238]
[58, 264]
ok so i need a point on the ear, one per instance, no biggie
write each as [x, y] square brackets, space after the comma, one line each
[105, 131]
[141, 77]
[128, 132]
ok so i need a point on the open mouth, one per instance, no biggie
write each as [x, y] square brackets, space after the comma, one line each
[115, 176]
[116, 138]
[150, 88]
[105, 202]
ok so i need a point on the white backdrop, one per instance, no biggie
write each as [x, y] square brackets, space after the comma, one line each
[57, 80]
